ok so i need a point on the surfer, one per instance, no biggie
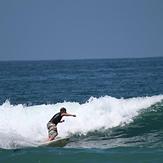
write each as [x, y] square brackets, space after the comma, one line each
[52, 124]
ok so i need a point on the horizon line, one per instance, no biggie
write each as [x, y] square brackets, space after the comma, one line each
[26, 60]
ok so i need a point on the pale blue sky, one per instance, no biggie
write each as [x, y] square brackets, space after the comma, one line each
[75, 29]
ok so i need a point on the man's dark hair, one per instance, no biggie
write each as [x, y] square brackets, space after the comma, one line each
[63, 110]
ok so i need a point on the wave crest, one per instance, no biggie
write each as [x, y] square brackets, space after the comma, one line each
[20, 122]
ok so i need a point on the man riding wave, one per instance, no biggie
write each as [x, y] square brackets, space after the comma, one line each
[52, 124]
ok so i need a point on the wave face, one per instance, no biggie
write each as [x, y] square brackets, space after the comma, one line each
[108, 121]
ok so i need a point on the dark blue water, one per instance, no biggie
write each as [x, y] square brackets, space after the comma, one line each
[137, 81]
[76, 80]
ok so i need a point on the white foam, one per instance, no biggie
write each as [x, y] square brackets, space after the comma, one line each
[22, 125]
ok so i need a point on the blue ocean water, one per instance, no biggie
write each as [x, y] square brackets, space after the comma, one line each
[118, 103]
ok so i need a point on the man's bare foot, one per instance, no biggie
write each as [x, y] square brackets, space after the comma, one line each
[50, 139]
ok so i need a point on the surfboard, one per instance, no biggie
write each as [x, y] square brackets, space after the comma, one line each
[58, 142]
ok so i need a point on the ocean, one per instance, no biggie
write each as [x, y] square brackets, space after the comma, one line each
[118, 103]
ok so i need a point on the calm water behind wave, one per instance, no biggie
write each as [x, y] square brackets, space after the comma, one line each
[40, 82]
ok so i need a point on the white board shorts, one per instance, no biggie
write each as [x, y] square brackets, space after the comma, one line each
[52, 130]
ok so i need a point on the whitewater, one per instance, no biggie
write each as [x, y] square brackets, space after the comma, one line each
[23, 126]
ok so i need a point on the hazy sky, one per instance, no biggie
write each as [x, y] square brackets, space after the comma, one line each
[74, 29]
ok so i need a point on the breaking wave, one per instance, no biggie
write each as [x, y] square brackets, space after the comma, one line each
[23, 126]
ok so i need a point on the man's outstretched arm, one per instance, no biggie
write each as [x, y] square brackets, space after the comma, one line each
[67, 114]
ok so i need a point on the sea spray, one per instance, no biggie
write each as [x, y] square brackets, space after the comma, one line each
[22, 125]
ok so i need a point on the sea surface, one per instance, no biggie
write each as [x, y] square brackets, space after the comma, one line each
[118, 103]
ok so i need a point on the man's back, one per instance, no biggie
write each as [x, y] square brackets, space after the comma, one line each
[56, 118]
